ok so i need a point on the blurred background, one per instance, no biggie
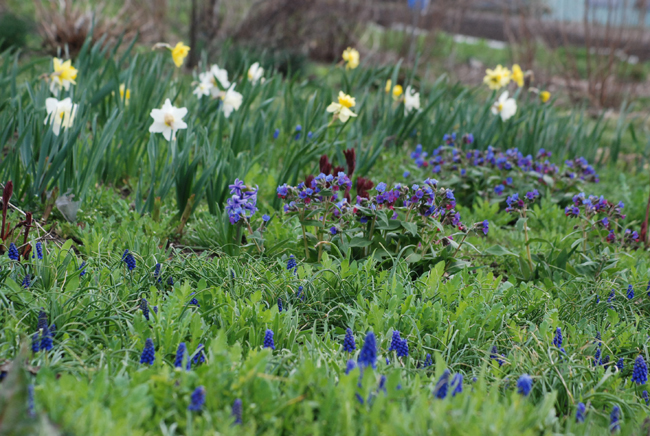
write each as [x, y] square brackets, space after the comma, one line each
[592, 52]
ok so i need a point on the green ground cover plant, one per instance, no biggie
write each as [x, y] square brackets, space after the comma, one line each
[240, 251]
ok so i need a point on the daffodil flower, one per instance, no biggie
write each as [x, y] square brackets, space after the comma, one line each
[411, 100]
[203, 89]
[60, 113]
[63, 75]
[179, 52]
[497, 78]
[517, 75]
[351, 57]
[397, 89]
[341, 110]
[168, 120]
[544, 96]
[125, 94]
[231, 100]
[255, 73]
[505, 107]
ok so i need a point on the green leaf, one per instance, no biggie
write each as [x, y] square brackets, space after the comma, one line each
[412, 228]
[499, 250]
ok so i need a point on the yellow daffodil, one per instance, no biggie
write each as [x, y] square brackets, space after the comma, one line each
[397, 89]
[397, 92]
[544, 96]
[179, 53]
[341, 110]
[517, 75]
[63, 75]
[497, 78]
[351, 57]
[125, 94]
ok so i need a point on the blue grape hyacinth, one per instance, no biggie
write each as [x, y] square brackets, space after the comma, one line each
[292, 265]
[268, 339]
[428, 361]
[640, 371]
[237, 411]
[644, 394]
[395, 341]
[128, 258]
[614, 418]
[39, 250]
[403, 348]
[456, 384]
[368, 354]
[180, 355]
[46, 339]
[36, 346]
[620, 364]
[279, 304]
[199, 355]
[350, 366]
[557, 340]
[13, 252]
[144, 307]
[580, 412]
[197, 399]
[82, 268]
[348, 343]
[27, 282]
[630, 292]
[442, 386]
[524, 385]
[148, 353]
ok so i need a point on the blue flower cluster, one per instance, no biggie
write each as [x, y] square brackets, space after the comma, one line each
[640, 371]
[197, 399]
[268, 339]
[348, 343]
[243, 202]
[128, 258]
[13, 252]
[148, 353]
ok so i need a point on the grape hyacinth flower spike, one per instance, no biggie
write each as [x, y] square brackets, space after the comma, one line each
[13, 252]
[557, 340]
[368, 354]
[348, 343]
[395, 341]
[428, 361]
[292, 265]
[640, 371]
[39, 250]
[350, 366]
[197, 399]
[614, 418]
[199, 355]
[442, 386]
[644, 394]
[237, 411]
[148, 353]
[128, 258]
[456, 384]
[180, 355]
[268, 339]
[144, 307]
[580, 412]
[524, 385]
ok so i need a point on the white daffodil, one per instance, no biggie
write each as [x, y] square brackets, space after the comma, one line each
[255, 73]
[168, 120]
[411, 100]
[504, 106]
[203, 89]
[231, 100]
[220, 75]
[60, 113]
